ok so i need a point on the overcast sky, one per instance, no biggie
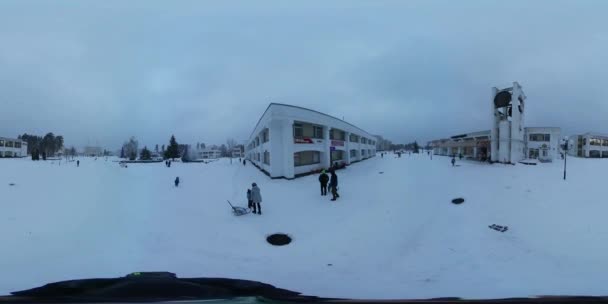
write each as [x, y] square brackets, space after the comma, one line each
[101, 71]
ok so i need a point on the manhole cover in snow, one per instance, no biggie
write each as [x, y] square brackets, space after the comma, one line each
[278, 239]
[458, 201]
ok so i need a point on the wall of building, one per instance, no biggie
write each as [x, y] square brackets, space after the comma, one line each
[12, 147]
[591, 145]
[278, 121]
[534, 144]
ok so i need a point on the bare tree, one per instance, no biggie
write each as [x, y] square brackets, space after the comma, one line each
[130, 148]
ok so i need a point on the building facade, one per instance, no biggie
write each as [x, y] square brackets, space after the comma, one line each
[592, 145]
[382, 144]
[540, 143]
[290, 141]
[543, 143]
[508, 141]
[208, 153]
[12, 147]
[92, 151]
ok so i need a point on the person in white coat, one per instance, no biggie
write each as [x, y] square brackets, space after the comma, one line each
[256, 197]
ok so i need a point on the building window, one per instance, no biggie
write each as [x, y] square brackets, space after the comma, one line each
[605, 142]
[584, 141]
[354, 138]
[595, 141]
[353, 153]
[604, 154]
[17, 144]
[1, 143]
[362, 152]
[298, 130]
[267, 157]
[306, 158]
[317, 132]
[540, 137]
[9, 144]
[265, 135]
[594, 153]
[337, 155]
[363, 140]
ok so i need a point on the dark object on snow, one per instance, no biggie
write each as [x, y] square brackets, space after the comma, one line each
[278, 239]
[11, 184]
[381, 172]
[177, 181]
[499, 228]
[458, 201]
[77, 163]
[453, 161]
[238, 210]
[148, 287]
[244, 162]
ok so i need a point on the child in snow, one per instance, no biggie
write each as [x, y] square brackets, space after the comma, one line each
[177, 181]
[453, 161]
[249, 201]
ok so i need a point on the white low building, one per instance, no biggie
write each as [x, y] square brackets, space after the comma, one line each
[290, 141]
[12, 147]
[542, 143]
[208, 153]
[593, 145]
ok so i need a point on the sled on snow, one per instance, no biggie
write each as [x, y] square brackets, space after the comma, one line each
[238, 211]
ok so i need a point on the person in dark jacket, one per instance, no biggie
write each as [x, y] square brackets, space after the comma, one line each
[333, 185]
[453, 161]
[256, 197]
[244, 162]
[323, 180]
[177, 181]
[77, 163]
[249, 201]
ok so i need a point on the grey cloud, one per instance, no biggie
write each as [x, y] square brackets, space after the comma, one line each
[100, 71]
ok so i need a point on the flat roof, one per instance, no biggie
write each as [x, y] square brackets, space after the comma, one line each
[302, 108]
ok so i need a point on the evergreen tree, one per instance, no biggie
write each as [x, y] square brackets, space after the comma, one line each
[43, 155]
[145, 154]
[163, 149]
[416, 147]
[156, 148]
[122, 152]
[132, 156]
[173, 149]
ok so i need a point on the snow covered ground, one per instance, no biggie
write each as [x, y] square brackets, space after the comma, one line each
[390, 235]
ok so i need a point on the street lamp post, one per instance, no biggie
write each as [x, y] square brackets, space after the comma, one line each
[565, 147]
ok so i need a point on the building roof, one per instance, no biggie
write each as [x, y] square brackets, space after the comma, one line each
[272, 104]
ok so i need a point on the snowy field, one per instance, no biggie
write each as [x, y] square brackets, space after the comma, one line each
[390, 235]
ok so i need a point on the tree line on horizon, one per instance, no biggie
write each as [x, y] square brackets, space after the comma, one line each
[44, 146]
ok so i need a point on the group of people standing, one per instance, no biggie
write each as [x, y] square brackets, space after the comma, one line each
[168, 163]
[333, 183]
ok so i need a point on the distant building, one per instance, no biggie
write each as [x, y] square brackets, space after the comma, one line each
[592, 145]
[92, 151]
[12, 147]
[508, 141]
[238, 151]
[382, 144]
[207, 153]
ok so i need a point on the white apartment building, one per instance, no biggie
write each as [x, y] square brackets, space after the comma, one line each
[290, 141]
[593, 145]
[12, 147]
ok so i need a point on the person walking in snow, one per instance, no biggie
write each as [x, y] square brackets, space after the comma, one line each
[333, 185]
[453, 161]
[244, 162]
[77, 163]
[323, 180]
[177, 181]
[256, 198]
[249, 201]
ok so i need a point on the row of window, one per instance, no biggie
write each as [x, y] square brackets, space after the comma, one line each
[10, 144]
[540, 137]
[598, 154]
[304, 130]
[597, 142]
[265, 137]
